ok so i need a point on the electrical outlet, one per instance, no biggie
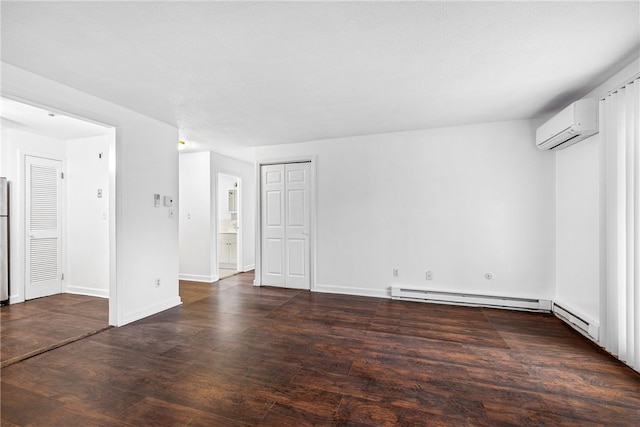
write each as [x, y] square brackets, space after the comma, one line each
[488, 276]
[429, 275]
[395, 272]
[157, 283]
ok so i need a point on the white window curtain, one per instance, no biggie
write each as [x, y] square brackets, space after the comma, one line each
[620, 296]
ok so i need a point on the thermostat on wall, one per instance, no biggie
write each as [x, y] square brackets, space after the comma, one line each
[168, 201]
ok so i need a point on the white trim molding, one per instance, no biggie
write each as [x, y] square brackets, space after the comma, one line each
[92, 292]
[148, 311]
[198, 278]
[350, 290]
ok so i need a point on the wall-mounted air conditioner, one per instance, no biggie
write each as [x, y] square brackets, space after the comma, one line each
[573, 124]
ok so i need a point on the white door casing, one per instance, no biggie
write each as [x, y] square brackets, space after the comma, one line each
[285, 225]
[43, 246]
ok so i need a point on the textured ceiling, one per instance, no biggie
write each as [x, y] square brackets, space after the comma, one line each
[240, 74]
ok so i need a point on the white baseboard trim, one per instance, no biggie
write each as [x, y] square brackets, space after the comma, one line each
[197, 278]
[149, 311]
[348, 290]
[578, 321]
[16, 299]
[248, 268]
[92, 292]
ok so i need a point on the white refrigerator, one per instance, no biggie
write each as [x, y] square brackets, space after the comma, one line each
[4, 241]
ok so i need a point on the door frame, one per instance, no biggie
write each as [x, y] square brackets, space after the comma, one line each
[313, 160]
[239, 218]
[18, 243]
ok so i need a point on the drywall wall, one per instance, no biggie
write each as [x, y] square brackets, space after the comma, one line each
[459, 202]
[197, 257]
[580, 178]
[16, 144]
[87, 231]
[577, 225]
[199, 200]
[146, 162]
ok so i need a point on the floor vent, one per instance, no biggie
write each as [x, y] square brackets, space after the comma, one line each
[578, 323]
[408, 293]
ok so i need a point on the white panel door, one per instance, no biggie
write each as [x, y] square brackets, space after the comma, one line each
[297, 225]
[273, 225]
[43, 227]
[285, 218]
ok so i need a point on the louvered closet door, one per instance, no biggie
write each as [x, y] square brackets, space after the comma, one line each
[43, 227]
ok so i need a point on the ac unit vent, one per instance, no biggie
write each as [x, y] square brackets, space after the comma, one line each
[571, 125]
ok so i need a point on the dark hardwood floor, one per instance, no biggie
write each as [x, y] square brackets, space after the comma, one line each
[236, 355]
[38, 325]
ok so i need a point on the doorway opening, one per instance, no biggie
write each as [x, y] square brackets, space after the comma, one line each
[228, 218]
[61, 169]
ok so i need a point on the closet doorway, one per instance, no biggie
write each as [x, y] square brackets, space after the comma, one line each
[286, 224]
[229, 214]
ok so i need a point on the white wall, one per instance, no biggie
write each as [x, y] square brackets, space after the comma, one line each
[87, 231]
[199, 198]
[460, 202]
[579, 202]
[197, 240]
[577, 224]
[16, 144]
[146, 161]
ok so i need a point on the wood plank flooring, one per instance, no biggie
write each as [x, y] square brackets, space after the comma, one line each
[236, 355]
[37, 325]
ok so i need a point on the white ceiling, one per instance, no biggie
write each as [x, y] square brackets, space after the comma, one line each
[239, 74]
[17, 115]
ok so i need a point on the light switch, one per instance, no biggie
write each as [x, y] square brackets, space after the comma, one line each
[99, 193]
[156, 200]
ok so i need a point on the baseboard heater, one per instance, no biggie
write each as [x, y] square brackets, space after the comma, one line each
[581, 325]
[408, 293]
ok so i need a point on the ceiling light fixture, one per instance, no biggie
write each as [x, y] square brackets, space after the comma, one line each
[181, 145]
